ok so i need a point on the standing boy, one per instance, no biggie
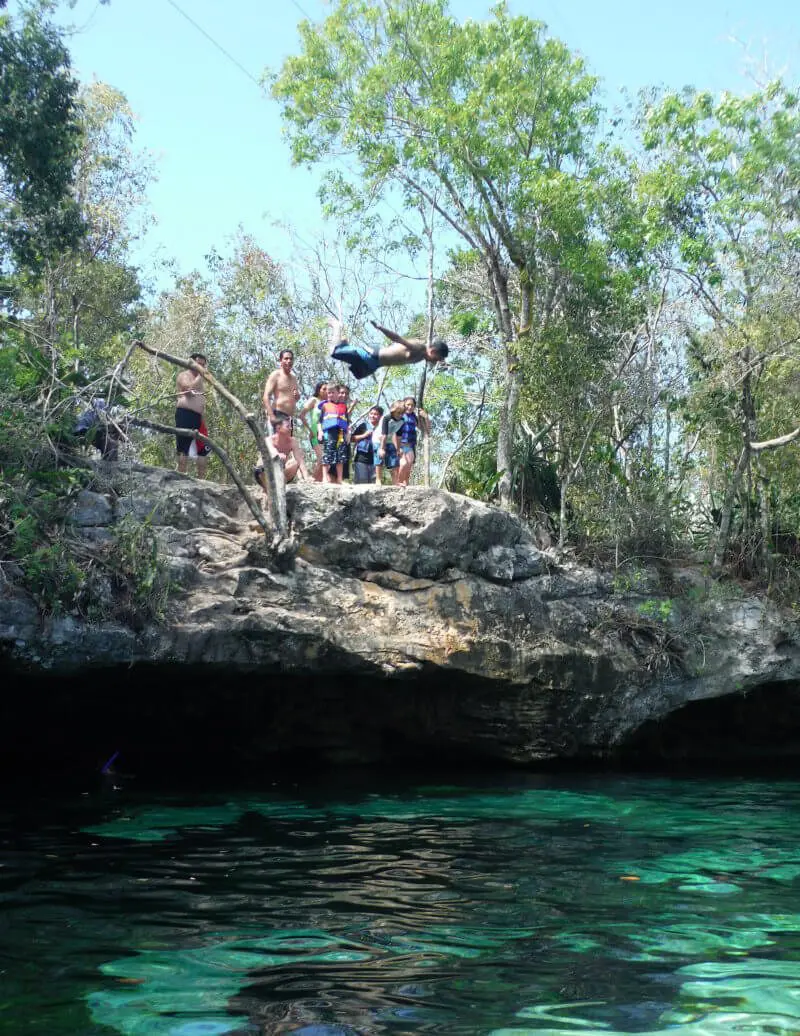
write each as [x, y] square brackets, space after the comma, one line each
[333, 419]
[281, 392]
[365, 453]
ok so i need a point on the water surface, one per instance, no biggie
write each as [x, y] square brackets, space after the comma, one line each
[501, 906]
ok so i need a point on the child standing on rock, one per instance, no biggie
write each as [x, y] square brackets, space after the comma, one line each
[389, 452]
[333, 419]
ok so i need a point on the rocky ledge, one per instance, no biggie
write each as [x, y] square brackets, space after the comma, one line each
[414, 625]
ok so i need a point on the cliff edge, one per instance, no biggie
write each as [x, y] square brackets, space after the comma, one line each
[415, 624]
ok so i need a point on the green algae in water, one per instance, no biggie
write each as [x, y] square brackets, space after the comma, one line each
[687, 940]
[540, 806]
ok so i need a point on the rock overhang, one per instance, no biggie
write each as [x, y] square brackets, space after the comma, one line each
[401, 595]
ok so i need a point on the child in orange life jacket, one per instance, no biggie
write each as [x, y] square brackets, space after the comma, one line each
[333, 420]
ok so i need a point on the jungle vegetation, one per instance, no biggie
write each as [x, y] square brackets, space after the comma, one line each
[620, 288]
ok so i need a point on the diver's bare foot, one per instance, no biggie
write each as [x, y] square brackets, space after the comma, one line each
[335, 334]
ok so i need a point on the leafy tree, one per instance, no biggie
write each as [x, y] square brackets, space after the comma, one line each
[727, 183]
[493, 124]
[78, 302]
[39, 140]
[90, 294]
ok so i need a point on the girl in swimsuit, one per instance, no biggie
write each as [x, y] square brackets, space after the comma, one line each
[312, 424]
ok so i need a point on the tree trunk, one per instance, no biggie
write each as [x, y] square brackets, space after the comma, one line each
[765, 554]
[727, 509]
[562, 510]
[76, 322]
[667, 473]
[505, 430]
[426, 440]
[498, 282]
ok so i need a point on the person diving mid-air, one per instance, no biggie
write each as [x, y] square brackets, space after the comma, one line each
[364, 360]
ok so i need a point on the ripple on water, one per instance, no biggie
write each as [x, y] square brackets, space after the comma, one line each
[444, 910]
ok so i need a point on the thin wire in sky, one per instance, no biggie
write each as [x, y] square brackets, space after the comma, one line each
[219, 46]
[300, 9]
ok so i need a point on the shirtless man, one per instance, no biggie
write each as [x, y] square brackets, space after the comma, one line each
[281, 391]
[190, 406]
[363, 360]
[289, 451]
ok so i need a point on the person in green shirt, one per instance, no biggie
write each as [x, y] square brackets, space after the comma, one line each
[309, 415]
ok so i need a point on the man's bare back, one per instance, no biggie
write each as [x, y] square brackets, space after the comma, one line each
[411, 350]
[365, 360]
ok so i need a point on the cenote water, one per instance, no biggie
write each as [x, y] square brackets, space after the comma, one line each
[503, 905]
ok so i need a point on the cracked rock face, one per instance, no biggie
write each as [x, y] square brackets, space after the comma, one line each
[414, 624]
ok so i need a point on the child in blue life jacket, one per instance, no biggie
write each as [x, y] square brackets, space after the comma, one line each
[363, 436]
[334, 425]
[413, 421]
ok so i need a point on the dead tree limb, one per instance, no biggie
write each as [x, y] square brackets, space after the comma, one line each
[465, 439]
[723, 535]
[771, 444]
[536, 437]
[119, 370]
[273, 469]
[191, 433]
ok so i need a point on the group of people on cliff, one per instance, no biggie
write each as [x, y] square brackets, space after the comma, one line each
[342, 447]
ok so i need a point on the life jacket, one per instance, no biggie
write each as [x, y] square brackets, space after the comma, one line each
[364, 446]
[408, 433]
[334, 416]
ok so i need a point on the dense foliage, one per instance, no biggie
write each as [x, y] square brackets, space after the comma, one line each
[620, 294]
[39, 136]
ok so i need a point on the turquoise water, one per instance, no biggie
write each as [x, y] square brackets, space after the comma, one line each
[502, 906]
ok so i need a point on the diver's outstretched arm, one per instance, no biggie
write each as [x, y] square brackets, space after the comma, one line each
[391, 335]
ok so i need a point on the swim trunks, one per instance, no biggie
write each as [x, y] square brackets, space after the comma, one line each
[363, 473]
[362, 360]
[390, 458]
[334, 451]
[190, 419]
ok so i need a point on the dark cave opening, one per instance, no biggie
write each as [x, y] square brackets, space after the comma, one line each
[758, 728]
[215, 720]
[209, 722]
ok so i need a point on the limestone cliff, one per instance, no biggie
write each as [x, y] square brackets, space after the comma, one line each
[414, 624]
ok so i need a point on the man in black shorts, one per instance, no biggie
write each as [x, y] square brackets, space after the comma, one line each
[191, 405]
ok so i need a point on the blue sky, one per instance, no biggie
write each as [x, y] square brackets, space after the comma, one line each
[221, 159]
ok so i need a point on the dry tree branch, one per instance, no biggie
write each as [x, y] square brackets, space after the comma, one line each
[465, 438]
[191, 433]
[771, 444]
[273, 469]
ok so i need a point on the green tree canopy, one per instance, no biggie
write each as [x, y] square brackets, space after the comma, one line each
[492, 123]
[39, 139]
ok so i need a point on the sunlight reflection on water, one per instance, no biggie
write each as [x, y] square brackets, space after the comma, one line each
[555, 905]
